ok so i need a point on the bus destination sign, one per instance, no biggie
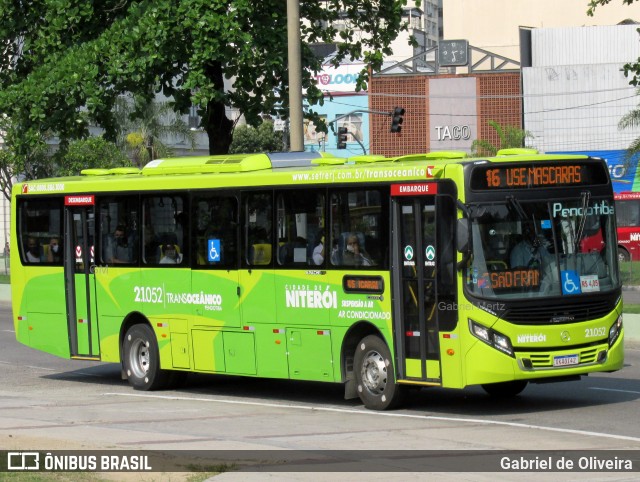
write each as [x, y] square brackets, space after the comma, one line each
[536, 176]
[363, 284]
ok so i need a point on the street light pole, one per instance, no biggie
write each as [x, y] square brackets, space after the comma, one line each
[295, 76]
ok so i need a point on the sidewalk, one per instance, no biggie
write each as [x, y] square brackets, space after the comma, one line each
[631, 321]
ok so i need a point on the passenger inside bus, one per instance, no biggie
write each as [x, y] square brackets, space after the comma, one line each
[33, 250]
[318, 251]
[354, 254]
[118, 249]
[54, 253]
[529, 252]
[170, 254]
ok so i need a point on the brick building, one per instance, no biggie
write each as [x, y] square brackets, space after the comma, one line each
[443, 112]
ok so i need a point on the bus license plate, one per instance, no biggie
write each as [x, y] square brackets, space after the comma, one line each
[565, 360]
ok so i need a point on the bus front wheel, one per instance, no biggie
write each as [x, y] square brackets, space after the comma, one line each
[505, 389]
[375, 378]
[623, 255]
[142, 359]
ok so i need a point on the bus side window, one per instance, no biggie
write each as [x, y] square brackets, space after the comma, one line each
[165, 225]
[119, 228]
[39, 222]
[215, 230]
[258, 228]
[359, 214]
[300, 228]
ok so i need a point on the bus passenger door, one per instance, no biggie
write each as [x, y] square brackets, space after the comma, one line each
[79, 236]
[415, 288]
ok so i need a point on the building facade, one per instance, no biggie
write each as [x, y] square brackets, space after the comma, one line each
[442, 112]
[494, 25]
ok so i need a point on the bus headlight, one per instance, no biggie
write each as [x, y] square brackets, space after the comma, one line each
[614, 331]
[491, 337]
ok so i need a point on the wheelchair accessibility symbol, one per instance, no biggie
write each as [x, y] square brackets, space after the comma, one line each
[570, 283]
[213, 248]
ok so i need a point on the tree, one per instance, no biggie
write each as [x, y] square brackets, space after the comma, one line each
[24, 154]
[630, 120]
[249, 139]
[509, 136]
[143, 123]
[94, 152]
[63, 63]
[631, 69]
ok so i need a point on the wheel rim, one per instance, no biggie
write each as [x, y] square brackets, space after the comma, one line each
[374, 372]
[139, 358]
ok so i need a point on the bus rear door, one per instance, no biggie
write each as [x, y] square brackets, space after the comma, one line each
[79, 235]
[422, 227]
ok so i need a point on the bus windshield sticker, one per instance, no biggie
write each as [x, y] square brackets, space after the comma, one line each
[213, 250]
[570, 282]
[589, 283]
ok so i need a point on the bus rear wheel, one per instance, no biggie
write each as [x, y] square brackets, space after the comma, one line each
[623, 255]
[375, 379]
[505, 389]
[142, 359]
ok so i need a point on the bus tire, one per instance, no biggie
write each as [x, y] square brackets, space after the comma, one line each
[505, 389]
[375, 378]
[142, 359]
[623, 255]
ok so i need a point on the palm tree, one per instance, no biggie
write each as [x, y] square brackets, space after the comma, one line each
[630, 120]
[145, 125]
[509, 136]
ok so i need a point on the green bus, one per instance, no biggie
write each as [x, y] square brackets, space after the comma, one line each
[377, 273]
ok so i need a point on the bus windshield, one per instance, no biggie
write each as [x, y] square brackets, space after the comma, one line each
[524, 249]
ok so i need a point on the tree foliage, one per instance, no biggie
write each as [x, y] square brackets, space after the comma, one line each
[142, 124]
[594, 3]
[249, 139]
[629, 121]
[24, 154]
[63, 63]
[509, 137]
[631, 69]
[94, 152]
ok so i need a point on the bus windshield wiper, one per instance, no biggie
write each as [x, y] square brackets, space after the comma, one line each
[586, 195]
[517, 207]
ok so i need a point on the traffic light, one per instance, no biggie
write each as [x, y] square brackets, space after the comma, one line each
[342, 137]
[396, 119]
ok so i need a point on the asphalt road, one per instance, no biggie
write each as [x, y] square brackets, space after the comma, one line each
[49, 403]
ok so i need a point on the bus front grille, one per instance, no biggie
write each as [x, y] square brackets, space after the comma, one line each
[559, 313]
[541, 361]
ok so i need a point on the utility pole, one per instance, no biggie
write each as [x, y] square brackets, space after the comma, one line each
[295, 76]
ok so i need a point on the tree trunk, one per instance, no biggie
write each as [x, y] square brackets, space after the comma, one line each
[218, 128]
[214, 121]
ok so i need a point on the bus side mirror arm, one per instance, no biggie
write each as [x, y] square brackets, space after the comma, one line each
[462, 241]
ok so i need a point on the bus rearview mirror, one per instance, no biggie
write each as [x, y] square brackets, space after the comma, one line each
[462, 235]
